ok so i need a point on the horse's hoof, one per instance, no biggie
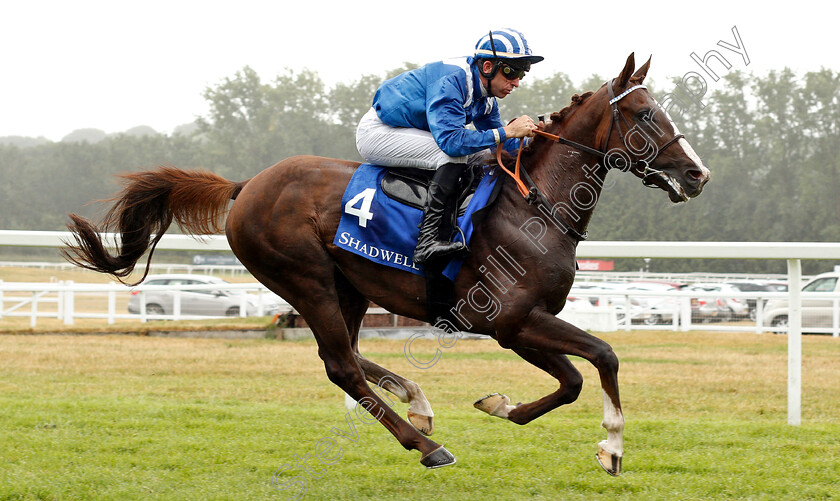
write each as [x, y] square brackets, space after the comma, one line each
[609, 461]
[495, 404]
[424, 424]
[438, 458]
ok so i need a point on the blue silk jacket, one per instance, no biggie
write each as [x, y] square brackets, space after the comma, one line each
[442, 98]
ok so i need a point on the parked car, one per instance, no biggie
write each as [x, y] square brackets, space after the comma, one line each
[610, 294]
[753, 287]
[594, 291]
[658, 309]
[706, 308]
[211, 302]
[737, 307]
[816, 312]
[778, 286]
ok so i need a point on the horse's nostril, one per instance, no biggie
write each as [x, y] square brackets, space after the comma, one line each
[695, 174]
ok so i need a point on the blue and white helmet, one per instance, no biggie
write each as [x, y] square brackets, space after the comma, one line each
[506, 44]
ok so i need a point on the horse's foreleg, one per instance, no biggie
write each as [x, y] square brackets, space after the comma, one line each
[546, 333]
[419, 410]
[555, 364]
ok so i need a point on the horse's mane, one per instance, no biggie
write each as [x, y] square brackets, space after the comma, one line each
[577, 100]
[557, 118]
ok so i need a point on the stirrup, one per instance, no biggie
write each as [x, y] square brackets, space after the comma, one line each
[463, 237]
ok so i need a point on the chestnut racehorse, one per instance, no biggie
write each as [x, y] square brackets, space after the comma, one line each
[510, 287]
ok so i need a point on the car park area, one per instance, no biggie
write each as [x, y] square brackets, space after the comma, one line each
[685, 304]
[201, 295]
[820, 311]
[598, 301]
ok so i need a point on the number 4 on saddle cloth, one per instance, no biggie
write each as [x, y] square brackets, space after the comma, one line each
[383, 207]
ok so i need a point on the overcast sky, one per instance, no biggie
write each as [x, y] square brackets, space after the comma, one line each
[113, 65]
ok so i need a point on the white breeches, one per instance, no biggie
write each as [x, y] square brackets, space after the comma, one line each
[381, 144]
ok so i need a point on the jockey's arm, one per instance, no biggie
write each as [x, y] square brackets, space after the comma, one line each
[447, 119]
[455, 139]
[517, 128]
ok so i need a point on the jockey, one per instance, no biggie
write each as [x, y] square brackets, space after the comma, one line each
[419, 119]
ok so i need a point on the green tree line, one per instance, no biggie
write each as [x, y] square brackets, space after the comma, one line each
[772, 143]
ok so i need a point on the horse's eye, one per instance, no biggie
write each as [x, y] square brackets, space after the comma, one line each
[644, 115]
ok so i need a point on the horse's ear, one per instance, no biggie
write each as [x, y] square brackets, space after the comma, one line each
[627, 72]
[641, 73]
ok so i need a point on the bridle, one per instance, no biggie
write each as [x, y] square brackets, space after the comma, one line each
[634, 163]
[617, 118]
[533, 195]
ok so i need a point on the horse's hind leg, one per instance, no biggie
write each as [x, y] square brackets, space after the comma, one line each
[318, 302]
[353, 308]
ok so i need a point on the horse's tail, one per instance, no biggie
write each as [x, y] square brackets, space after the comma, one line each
[197, 200]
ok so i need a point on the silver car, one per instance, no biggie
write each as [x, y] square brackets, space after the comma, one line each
[816, 312]
[660, 309]
[209, 302]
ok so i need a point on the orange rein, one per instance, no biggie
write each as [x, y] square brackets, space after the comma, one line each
[523, 189]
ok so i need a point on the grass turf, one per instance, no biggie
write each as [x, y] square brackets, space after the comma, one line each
[133, 417]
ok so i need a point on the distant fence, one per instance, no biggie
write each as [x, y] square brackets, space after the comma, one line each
[208, 269]
[675, 310]
[63, 301]
[672, 310]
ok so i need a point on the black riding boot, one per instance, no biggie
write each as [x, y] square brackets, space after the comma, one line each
[430, 245]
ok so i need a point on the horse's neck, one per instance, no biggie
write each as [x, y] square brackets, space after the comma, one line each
[571, 179]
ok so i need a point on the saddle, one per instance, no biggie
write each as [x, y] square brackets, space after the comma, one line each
[410, 186]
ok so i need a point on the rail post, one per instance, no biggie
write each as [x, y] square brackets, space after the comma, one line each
[112, 305]
[685, 313]
[69, 306]
[794, 342]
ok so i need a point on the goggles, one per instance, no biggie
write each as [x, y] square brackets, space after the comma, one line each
[512, 73]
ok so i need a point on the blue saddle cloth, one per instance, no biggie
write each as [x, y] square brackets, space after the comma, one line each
[383, 230]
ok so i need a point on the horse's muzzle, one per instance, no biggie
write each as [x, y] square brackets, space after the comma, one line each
[690, 180]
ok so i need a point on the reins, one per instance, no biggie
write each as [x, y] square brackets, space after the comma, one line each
[516, 175]
[569, 142]
[532, 194]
